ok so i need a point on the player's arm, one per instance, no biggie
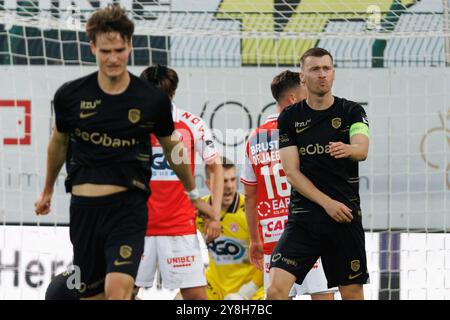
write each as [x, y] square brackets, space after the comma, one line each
[291, 164]
[358, 148]
[250, 182]
[56, 156]
[176, 154]
[256, 252]
[212, 225]
[204, 146]
[215, 170]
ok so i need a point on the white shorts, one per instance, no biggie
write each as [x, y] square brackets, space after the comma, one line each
[178, 258]
[315, 281]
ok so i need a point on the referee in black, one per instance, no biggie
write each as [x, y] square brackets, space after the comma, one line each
[107, 118]
[322, 139]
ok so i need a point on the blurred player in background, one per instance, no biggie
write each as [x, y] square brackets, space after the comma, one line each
[321, 140]
[171, 241]
[107, 117]
[267, 191]
[230, 275]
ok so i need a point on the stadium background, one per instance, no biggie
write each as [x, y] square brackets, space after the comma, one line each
[393, 60]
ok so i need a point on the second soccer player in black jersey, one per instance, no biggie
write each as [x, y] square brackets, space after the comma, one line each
[322, 139]
[106, 118]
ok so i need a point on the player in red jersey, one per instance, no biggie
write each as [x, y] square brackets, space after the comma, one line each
[171, 242]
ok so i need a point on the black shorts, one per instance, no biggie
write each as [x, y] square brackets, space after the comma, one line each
[107, 234]
[340, 246]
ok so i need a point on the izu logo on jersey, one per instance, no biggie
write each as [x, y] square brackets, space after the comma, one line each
[227, 250]
[90, 105]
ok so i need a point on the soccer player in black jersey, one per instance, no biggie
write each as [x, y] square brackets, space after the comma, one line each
[322, 139]
[107, 118]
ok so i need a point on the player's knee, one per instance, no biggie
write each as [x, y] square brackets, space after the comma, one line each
[352, 292]
[118, 293]
[277, 293]
[197, 293]
[118, 286]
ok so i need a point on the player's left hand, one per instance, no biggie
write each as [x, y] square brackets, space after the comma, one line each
[340, 150]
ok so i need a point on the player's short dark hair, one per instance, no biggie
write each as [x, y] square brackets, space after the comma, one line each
[283, 82]
[315, 52]
[226, 164]
[113, 18]
[162, 77]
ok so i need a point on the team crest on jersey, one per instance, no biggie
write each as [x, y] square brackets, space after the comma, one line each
[355, 265]
[125, 251]
[234, 227]
[134, 115]
[336, 122]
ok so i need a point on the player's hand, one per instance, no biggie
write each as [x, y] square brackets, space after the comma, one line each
[42, 206]
[212, 223]
[340, 150]
[212, 230]
[204, 210]
[256, 254]
[338, 211]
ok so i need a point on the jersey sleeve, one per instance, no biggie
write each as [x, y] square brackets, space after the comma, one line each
[61, 112]
[286, 130]
[248, 176]
[358, 114]
[359, 124]
[164, 124]
[204, 142]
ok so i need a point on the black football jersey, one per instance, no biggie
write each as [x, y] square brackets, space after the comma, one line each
[110, 134]
[311, 131]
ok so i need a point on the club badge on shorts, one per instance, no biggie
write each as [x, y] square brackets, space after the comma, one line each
[355, 265]
[125, 251]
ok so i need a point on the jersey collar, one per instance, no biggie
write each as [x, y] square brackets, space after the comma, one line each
[272, 117]
[175, 116]
[234, 205]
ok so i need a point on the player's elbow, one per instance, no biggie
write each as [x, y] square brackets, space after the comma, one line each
[290, 174]
[362, 155]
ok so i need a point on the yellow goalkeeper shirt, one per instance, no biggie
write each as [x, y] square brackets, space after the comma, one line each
[229, 266]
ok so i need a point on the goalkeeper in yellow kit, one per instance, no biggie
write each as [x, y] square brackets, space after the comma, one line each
[230, 275]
